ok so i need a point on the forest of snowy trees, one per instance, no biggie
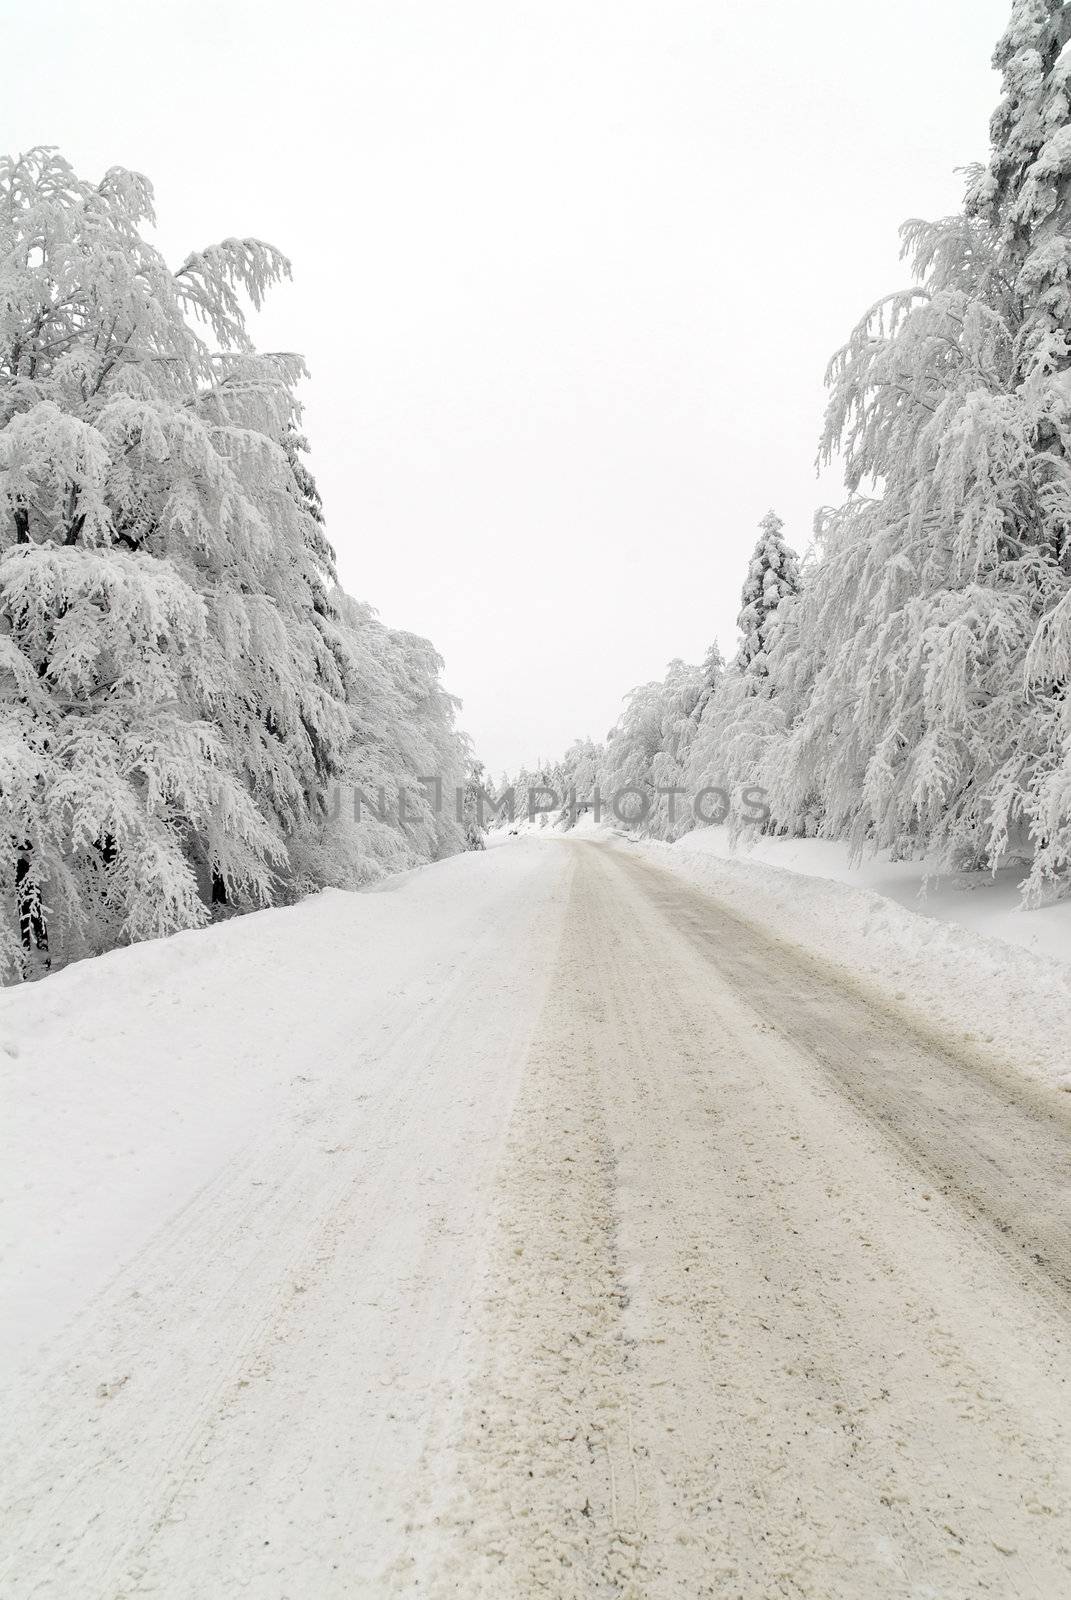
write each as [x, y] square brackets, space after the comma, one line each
[907, 688]
[184, 683]
[182, 679]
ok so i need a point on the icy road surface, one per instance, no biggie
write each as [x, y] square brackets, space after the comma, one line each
[565, 1236]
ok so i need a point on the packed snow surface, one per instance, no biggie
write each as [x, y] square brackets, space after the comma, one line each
[570, 1218]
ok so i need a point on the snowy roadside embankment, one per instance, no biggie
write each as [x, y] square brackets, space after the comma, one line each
[984, 902]
[132, 1078]
[1005, 1000]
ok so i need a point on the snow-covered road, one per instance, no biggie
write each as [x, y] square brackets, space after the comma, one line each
[571, 1237]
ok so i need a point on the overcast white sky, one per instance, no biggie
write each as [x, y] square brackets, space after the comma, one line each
[566, 275]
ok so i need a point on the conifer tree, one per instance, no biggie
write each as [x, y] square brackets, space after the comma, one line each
[1024, 193]
[773, 576]
[710, 676]
[475, 780]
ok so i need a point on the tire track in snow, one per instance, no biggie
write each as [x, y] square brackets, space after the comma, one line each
[828, 1378]
[550, 1498]
[995, 1142]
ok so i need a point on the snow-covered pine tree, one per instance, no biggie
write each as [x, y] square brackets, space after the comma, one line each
[710, 675]
[475, 781]
[773, 575]
[321, 551]
[173, 699]
[1024, 193]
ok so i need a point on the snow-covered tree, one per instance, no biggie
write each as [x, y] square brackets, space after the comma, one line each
[913, 693]
[923, 731]
[574, 779]
[937, 628]
[475, 782]
[645, 750]
[1024, 193]
[179, 676]
[740, 713]
[710, 675]
[773, 575]
[392, 805]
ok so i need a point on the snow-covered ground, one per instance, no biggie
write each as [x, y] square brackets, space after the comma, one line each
[986, 903]
[958, 952]
[136, 1077]
[983, 902]
[574, 1217]
[945, 961]
[243, 1189]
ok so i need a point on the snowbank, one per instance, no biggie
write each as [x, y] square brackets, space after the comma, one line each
[1010, 1001]
[986, 903]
